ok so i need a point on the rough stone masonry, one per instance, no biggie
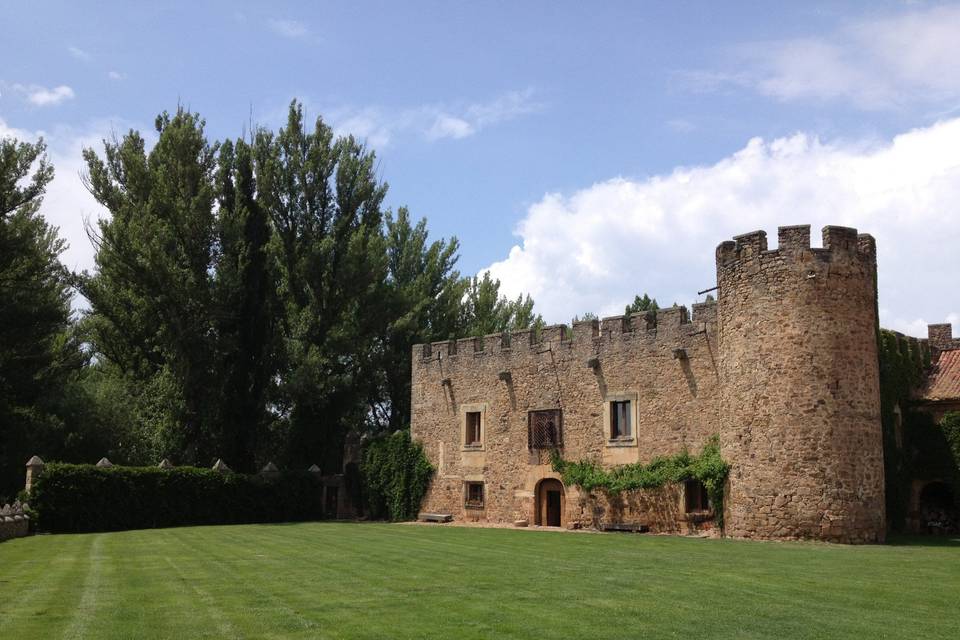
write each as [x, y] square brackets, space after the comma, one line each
[783, 367]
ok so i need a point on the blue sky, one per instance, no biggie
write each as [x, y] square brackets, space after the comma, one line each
[585, 153]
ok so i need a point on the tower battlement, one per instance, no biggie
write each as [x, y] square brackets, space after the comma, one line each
[839, 243]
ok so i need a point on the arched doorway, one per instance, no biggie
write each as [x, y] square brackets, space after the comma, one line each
[551, 503]
[938, 510]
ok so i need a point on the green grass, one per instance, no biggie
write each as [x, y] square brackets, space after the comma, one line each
[339, 580]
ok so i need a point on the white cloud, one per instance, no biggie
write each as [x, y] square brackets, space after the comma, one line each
[42, 97]
[447, 126]
[288, 28]
[593, 250]
[878, 63]
[116, 75]
[79, 53]
[433, 121]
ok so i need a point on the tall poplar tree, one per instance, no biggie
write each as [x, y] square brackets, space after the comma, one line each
[245, 311]
[324, 200]
[151, 295]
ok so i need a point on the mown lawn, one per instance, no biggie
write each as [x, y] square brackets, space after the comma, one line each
[339, 580]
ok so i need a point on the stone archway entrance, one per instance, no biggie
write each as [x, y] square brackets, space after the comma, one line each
[551, 503]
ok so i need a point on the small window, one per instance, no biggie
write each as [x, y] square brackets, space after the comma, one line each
[474, 495]
[696, 496]
[545, 429]
[473, 429]
[620, 426]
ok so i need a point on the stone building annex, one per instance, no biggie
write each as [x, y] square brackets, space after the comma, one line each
[783, 366]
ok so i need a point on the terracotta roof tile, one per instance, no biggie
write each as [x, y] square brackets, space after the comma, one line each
[944, 380]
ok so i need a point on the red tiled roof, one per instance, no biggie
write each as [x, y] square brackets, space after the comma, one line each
[944, 380]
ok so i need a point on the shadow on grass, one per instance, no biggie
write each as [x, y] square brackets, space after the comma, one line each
[904, 540]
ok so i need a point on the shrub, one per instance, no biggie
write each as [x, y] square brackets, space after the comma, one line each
[396, 473]
[86, 498]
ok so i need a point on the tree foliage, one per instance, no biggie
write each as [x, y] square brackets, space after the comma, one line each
[252, 300]
[645, 303]
[486, 311]
[39, 351]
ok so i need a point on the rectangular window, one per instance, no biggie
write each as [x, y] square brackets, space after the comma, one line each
[620, 426]
[474, 495]
[695, 496]
[545, 429]
[473, 429]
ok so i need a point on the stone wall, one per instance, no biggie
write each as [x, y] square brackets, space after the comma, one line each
[14, 521]
[800, 400]
[784, 367]
[940, 338]
[664, 362]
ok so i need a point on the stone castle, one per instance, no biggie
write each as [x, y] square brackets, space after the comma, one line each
[783, 366]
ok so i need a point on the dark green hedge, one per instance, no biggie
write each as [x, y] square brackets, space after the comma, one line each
[85, 498]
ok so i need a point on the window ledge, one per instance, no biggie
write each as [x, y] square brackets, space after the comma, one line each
[475, 507]
[622, 442]
[472, 447]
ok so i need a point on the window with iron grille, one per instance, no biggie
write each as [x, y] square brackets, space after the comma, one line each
[473, 498]
[695, 495]
[545, 429]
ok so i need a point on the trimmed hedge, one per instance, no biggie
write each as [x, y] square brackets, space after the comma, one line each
[85, 498]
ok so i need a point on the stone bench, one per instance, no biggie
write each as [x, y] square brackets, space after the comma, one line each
[633, 527]
[435, 517]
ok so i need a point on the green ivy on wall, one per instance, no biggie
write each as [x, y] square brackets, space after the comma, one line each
[395, 475]
[708, 467]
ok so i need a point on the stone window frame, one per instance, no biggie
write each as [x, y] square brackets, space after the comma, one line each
[474, 407]
[633, 397]
[474, 504]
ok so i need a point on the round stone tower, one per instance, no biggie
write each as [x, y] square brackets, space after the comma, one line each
[800, 386]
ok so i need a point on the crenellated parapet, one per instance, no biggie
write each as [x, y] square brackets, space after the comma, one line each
[661, 327]
[839, 244]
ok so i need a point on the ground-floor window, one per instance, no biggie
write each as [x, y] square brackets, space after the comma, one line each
[474, 495]
[695, 496]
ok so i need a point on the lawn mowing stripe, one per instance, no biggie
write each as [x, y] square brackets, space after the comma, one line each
[240, 551]
[225, 627]
[27, 578]
[85, 610]
[400, 581]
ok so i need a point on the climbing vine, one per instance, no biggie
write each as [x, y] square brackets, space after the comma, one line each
[708, 467]
[395, 473]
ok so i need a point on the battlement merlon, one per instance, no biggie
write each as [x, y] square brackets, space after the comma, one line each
[794, 241]
[664, 325]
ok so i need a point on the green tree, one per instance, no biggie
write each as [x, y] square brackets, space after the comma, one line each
[152, 295]
[646, 303]
[423, 297]
[324, 201]
[486, 311]
[38, 351]
[589, 315]
[245, 310]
